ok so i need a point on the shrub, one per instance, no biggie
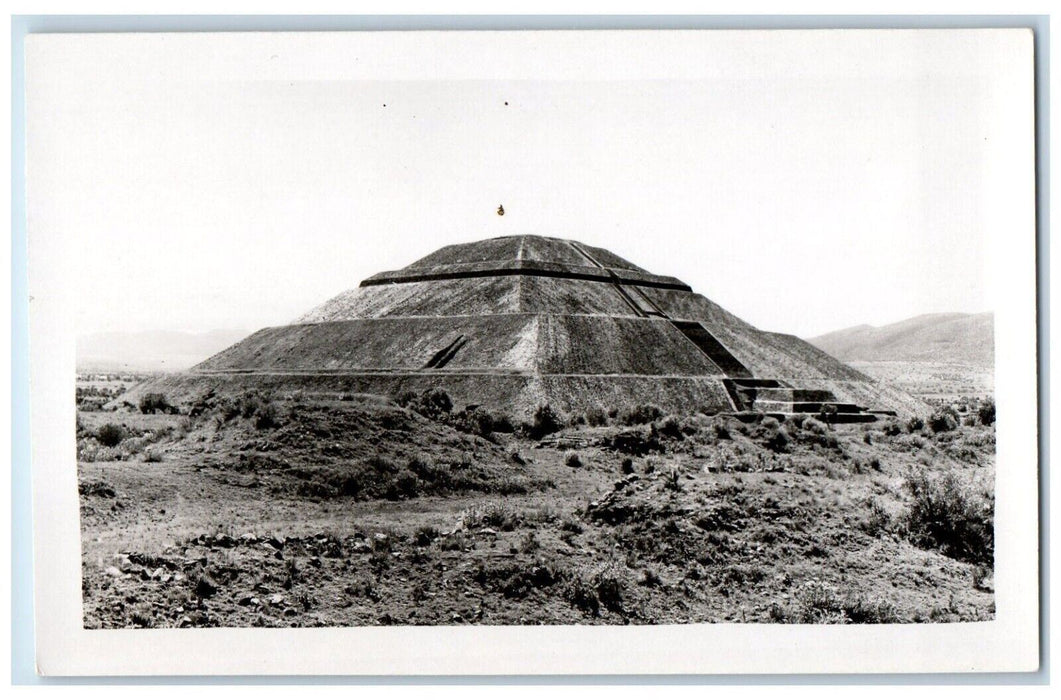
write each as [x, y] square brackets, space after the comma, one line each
[154, 402]
[499, 516]
[580, 593]
[951, 517]
[268, 416]
[609, 588]
[818, 602]
[596, 417]
[641, 414]
[944, 420]
[862, 611]
[627, 466]
[110, 434]
[892, 428]
[502, 423]
[571, 525]
[529, 544]
[815, 426]
[721, 431]
[546, 422]
[248, 405]
[425, 535]
[635, 441]
[915, 424]
[434, 403]
[778, 440]
[774, 436]
[827, 412]
[986, 412]
[572, 459]
[878, 521]
[670, 427]
[650, 578]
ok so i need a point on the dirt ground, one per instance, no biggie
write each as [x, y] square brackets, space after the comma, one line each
[272, 512]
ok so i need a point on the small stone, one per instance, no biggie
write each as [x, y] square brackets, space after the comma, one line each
[113, 571]
[276, 599]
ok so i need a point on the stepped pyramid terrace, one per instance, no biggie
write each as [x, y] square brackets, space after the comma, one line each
[513, 322]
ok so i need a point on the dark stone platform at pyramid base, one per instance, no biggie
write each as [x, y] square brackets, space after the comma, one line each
[516, 394]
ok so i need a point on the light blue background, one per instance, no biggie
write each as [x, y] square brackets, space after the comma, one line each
[22, 637]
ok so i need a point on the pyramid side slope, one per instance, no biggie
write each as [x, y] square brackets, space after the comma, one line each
[455, 297]
[480, 343]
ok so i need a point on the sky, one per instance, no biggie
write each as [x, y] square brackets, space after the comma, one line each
[804, 181]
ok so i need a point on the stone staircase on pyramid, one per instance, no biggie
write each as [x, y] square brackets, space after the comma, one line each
[751, 395]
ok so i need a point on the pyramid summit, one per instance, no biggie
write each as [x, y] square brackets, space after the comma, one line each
[514, 322]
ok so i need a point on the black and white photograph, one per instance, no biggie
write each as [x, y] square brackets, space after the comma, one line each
[675, 329]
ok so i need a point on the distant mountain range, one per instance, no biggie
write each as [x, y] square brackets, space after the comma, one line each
[967, 339]
[150, 351]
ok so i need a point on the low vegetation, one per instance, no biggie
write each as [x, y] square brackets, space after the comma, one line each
[257, 509]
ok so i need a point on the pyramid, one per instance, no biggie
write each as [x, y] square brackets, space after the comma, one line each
[514, 322]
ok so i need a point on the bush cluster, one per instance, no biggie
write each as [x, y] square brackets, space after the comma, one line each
[819, 602]
[950, 516]
[437, 405]
[546, 421]
[641, 414]
[986, 412]
[944, 420]
[110, 434]
[152, 402]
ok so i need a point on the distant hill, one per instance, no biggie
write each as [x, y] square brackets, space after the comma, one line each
[957, 338]
[150, 351]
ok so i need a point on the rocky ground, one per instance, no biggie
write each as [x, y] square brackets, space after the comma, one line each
[267, 511]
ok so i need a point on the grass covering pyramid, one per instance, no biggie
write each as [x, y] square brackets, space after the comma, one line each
[514, 322]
